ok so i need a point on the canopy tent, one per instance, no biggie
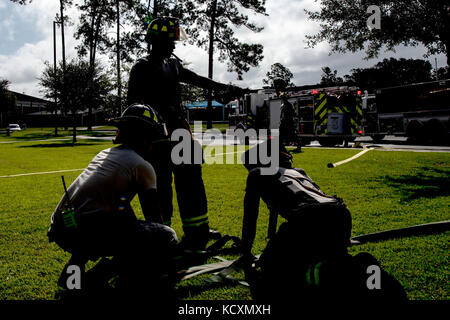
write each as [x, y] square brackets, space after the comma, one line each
[198, 110]
[204, 104]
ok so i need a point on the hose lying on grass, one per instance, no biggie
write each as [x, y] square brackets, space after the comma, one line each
[421, 229]
[334, 165]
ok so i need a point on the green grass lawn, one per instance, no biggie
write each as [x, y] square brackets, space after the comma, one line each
[383, 190]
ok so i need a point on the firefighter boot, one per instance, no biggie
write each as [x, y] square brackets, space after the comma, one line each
[195, 238]
[214, 234]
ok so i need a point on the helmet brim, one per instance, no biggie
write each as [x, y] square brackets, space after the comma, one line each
[138, 124]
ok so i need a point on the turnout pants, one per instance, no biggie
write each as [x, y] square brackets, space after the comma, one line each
[191, 196]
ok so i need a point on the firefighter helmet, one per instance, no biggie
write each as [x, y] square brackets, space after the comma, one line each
[165, 28]
[141, 121]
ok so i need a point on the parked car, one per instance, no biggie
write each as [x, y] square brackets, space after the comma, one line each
[13, 127]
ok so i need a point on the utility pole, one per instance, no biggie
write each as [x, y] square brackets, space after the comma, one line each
[63, 45]
[210, 62]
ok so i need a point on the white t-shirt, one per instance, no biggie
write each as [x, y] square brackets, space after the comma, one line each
[111, 179]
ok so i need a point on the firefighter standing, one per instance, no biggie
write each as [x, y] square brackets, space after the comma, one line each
[288, 132]
[155, 80]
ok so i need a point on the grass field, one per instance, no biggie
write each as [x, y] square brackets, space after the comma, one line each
[383, 190]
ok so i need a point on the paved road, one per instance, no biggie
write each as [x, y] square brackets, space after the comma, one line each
[389, 143]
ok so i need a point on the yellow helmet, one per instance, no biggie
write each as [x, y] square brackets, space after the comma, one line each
[165, 28]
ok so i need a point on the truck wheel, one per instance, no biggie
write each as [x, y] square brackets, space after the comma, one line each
[435, 131]
[414, 130]
[305, 142]
[330, 142]
[377, 137]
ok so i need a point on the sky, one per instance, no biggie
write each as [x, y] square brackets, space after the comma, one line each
[26, 42]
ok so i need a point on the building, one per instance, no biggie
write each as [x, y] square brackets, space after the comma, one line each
[25, 104]
[37, 112]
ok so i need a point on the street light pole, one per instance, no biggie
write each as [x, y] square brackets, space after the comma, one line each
[54, 74]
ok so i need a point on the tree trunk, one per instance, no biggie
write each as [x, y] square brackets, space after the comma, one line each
[74, 132]
[91, 58]
[62, 35]
[119, 81]
[155, 9]
[211, 62]
[96, 21]
[447, 48]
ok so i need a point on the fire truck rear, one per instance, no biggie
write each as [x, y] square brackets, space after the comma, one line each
[330, 115]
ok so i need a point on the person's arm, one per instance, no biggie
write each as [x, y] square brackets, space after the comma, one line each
[188, 76]
[146, 181]
[150, 206]
[136, 84]
[251, 211]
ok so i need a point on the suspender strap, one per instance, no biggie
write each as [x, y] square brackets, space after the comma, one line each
[273, 220]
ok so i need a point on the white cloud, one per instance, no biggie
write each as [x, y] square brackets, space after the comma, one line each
[25, 65]
[283, 39]
[6, 27]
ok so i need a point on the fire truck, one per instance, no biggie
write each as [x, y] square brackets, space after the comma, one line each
[331, 115]
[419, 111]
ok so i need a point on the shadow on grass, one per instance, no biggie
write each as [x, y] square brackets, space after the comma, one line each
[36, 136]
[98, 134]
[430, 183]
[59, 145]
[61, 134]
[183, 292]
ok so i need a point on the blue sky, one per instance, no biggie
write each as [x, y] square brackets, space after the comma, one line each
[26, 42]
[15, 29]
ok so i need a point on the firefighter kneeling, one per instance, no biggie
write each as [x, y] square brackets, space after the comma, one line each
[307, 257]
[95, 219]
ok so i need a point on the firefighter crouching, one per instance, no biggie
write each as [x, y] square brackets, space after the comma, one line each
[155, 80]
[307, 258]
[95, 219]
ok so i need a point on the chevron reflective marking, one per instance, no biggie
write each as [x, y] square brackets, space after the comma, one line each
[321, 106]
[359, 110]
[323, 114]
[354, 124]
[323, 127]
